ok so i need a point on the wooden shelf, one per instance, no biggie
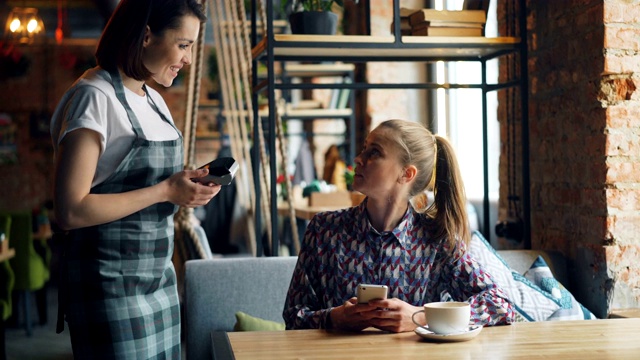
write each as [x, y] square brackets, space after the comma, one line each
[302, 114]
[278, 25]
[385, 48]
[317, 70]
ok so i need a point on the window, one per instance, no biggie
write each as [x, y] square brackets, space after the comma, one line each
[459, 116]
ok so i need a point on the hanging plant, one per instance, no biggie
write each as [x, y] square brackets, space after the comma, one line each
[13, 63]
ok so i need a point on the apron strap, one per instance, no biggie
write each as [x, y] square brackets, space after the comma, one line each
[63, 293]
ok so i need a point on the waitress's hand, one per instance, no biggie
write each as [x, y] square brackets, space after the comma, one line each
[396, 316]
[352, 316]
[182, 191]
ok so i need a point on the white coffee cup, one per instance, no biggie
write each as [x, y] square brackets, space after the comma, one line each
[446, 317]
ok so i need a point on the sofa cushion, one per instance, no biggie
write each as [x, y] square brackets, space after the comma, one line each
[570, 309]
[246, 322]
[530, 302]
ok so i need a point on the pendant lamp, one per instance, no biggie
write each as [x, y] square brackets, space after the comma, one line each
[23, 25]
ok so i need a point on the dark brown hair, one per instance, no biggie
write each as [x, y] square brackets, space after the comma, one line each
[429, 152]
[121, 42]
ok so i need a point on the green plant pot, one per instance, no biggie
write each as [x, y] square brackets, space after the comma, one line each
[313, 22]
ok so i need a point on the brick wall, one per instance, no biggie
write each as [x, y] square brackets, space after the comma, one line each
[584, 116]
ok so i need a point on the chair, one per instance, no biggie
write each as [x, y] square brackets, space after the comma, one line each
[7, 279]
[218, 288]
[31, 271]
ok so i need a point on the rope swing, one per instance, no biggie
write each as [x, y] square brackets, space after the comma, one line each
[182, 220]
[233, 55]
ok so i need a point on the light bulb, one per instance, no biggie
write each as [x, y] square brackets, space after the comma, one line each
[32, 25]
[15, 25]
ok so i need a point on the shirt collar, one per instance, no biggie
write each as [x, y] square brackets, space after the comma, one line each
[402, 232]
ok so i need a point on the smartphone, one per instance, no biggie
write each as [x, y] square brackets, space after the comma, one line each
[367, 292]
[221, 171]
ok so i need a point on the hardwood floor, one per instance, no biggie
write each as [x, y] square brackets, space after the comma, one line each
[44, 343]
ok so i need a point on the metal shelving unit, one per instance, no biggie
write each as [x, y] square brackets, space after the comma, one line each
[363, 48]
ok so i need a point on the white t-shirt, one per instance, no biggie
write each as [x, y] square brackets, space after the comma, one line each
[91, 103]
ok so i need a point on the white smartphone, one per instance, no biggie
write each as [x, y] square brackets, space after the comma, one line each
[367, 292]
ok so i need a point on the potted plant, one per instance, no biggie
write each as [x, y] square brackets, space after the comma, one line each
[311, 16]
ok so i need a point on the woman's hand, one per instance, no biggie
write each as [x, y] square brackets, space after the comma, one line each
[352, 316]
[183, 191]
[396, 316]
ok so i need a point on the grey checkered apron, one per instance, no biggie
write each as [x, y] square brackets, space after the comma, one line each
[121, 299]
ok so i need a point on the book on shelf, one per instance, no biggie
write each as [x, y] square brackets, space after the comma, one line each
[405, 27]
[404, 24]
[343, 98]
[406, 12]
[447, 31]
[472, 16]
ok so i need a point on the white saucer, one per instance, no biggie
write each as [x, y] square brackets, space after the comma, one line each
[472, 332]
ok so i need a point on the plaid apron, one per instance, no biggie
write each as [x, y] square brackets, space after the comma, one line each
[121, 299]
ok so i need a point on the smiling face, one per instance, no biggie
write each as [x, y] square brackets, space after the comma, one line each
[165, 54]
[378, 166]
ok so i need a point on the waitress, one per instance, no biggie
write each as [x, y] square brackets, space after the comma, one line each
[118, 182]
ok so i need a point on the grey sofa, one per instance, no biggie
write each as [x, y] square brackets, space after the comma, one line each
[216, 289]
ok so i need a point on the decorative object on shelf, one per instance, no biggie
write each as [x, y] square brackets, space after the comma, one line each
[283, 186]
[311, 16]
[432, 22]
[63, 29]
[23, 25]
[334, 168]
[349, 173]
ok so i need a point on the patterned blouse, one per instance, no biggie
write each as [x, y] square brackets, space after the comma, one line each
[341, 250]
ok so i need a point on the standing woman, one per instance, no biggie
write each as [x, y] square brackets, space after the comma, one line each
[419, 251]
[119, 179]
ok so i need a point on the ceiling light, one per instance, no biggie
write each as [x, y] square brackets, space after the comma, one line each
[23, 25]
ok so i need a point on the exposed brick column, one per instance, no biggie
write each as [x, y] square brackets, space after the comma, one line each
[619, 94]
[584, 116]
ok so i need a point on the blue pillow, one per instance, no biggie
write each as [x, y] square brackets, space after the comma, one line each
[570, 309]
[530, 302]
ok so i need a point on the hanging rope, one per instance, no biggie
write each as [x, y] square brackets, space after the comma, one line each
[183, 219]
[233, 83]
[235, 62]
[245, 62]
[287, 181]
[279, 129]
[243, 92]
[241, 39]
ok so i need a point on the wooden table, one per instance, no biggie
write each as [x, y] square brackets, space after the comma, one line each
[589, 339]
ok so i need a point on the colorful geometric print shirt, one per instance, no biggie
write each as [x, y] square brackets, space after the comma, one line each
[341, 250]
